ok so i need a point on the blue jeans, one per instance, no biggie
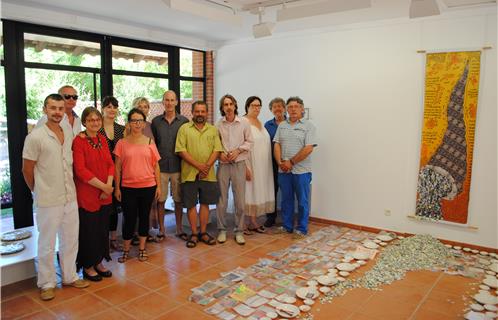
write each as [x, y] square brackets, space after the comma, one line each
[298, 184]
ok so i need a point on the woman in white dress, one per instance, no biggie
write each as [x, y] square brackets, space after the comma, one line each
[260, 198]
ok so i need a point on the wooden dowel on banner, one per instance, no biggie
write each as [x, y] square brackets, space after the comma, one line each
[421, 51]
[486, 47]
[473, 228]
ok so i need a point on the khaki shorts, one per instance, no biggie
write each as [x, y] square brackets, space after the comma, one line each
[174, 180]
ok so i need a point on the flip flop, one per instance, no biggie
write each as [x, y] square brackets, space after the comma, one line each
[182, 236]
[259, 229]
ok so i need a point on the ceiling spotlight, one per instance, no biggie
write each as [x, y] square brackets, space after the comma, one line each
[262, 29]
[423, 8]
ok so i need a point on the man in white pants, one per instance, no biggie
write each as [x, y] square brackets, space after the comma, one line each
[48, 172]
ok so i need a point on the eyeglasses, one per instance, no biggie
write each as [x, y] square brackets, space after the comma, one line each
[70, 96]
[255, 105]
[136, 121]
[93, 120]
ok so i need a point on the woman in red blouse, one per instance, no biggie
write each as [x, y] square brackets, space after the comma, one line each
[93, 174]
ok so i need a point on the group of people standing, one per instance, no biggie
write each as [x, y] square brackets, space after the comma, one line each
[81, 179]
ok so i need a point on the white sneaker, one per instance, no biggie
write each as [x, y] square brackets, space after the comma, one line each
[222, 236]
[298, 235]
[239, 238]
[280, 230]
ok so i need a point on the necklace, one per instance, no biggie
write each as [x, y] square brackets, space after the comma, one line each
[90, 141]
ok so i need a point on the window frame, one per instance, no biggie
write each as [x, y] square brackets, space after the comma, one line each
[15, 90]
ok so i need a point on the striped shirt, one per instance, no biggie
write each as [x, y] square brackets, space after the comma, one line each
[292, 138]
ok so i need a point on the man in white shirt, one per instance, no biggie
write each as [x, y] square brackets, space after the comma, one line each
[70, 118]
[48, 172]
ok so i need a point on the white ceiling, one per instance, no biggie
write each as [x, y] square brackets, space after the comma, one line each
[158, 16]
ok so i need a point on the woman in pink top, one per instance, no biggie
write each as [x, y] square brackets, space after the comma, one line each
[137, 181]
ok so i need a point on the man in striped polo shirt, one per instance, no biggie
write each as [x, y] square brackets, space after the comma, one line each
[294, 142]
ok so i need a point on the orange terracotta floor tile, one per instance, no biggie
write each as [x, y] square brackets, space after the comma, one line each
[213, 256]
[206, 274]
[19, 306]
[161, 257]
[82, 307]
[444, 302]
[40, 315]
[452, 283]
[179, 290]
[329, 311]
[131, 267]
[111, 314]
[156, 278]
[149, 306]
[185, 313]
[121, 292]
[187, 266]
[426, 314]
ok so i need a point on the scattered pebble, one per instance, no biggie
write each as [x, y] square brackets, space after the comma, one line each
[476, 307]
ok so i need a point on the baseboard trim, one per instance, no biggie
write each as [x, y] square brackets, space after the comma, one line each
[376, 230]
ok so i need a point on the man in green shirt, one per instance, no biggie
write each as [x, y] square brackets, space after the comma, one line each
[198, 144]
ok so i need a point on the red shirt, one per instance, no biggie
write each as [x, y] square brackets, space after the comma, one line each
[90, 162]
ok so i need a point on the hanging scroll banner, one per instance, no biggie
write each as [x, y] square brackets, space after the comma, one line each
[450, 107]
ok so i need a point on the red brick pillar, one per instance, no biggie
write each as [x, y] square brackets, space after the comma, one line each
[210, 85]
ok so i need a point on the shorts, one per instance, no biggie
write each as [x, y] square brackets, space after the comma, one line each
[207, 192]
[174, 180]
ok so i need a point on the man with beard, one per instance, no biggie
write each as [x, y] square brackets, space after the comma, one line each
[70, 118]
[165, 129]
[198, 144]
[48, 172]
[237, 141]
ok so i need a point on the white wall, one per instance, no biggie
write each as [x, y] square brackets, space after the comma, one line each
[364, 85]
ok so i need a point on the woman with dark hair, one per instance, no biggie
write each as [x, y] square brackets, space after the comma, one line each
[259, 173]
[93, 172]
[137, 181]
[112, 132]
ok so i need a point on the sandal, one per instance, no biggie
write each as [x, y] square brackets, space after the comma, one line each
[182, 236]
[142, 255]
[159, 237]
[124, 256]
[190, 242]
[248, 232]
[207, 238]
[150, 238]
[259, 229]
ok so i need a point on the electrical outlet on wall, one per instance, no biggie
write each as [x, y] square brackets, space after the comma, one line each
[387, 212]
